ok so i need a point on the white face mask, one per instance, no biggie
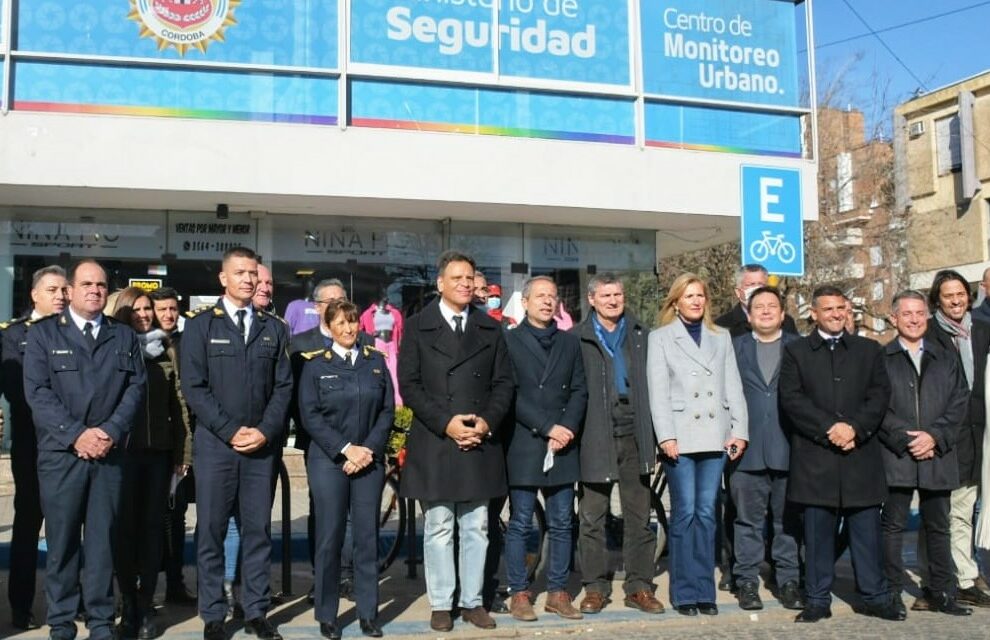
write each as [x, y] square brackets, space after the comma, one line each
[748, 292]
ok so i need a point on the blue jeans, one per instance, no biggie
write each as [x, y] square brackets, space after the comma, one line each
[438, 552]
[231, 551]
[560, 512]
[694, 483]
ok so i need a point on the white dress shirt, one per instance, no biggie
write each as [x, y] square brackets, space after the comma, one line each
[80, 321]
[232, 310]
[449, 315]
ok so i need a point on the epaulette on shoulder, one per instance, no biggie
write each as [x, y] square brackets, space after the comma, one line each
[273, 315]
[13, 321]
[192, 313]
[368, 350]
[309, 355]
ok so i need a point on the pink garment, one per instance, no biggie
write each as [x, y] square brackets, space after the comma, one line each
[391, 351]
[368, 322]
[564, 320]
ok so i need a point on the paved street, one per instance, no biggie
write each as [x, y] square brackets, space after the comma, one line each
[405, 611]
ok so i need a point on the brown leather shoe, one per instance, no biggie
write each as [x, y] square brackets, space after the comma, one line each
[478, 617]
[559, 602]
[644, 601]
[521, 606]
[593, 602]
[441, 621]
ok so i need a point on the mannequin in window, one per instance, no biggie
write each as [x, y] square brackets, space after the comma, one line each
[384, 321]
[301, 315]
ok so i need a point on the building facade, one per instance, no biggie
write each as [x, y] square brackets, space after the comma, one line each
[358, 139]
[942, 153]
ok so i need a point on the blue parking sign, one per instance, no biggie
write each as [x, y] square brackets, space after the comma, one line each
[772, 225]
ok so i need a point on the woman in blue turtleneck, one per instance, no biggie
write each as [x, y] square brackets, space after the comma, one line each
[699, 414]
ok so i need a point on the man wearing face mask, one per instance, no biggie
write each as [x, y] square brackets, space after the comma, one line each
[749, 278]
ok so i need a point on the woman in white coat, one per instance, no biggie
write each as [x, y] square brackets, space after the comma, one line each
[699, 414]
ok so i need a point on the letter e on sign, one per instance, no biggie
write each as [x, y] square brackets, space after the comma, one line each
[768, 198]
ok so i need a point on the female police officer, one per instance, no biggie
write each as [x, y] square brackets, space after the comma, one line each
[346, 403]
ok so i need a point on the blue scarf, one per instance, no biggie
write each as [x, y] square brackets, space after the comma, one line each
[612, 341]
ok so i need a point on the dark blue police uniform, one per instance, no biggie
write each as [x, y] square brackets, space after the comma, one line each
[24, 465]
[229, 383]
[342, 403]
[72, 384]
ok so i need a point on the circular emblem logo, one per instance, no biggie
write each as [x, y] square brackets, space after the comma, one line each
[183, 24]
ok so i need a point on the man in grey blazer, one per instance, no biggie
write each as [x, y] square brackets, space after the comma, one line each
[759, 479]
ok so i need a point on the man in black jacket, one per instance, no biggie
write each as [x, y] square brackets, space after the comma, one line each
[618, 445]
[928, 403]
[834, 391]
[953, 327]
[455, 375]
[542, 448]
[47, 296]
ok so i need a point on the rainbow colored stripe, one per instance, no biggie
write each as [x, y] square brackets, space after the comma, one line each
[486, 130]
[722, 149]
[172, 112]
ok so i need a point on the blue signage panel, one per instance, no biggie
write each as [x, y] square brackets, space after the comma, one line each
[571, 40]
[740, 51]
[772, 224]
[273, 32]
[698, 128]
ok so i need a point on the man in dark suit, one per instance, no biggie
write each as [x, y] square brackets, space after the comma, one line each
[84, 380]
[237, 379]
[834, 391]
[542, 450]
[957, 331]
[47, 297]
[928, 404]
[455, 375]
[749, 278]
[759, 479]
[325, 292]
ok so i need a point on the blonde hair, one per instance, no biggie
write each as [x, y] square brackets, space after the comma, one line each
[668, 310]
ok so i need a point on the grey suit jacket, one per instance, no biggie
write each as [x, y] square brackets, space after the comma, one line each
[696, 396]
[768, 446]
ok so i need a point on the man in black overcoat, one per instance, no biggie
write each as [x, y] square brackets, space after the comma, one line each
[834, 391]
[455, 375]
[542, 452]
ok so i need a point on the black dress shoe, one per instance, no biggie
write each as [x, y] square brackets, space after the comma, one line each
[498, 604]
[147, 629]
[263, 628]
[370, 628]
[944, 603]
[23, 620]
[749, 596]
[687, 609]
[346, 590]
[330, 631]
[726, 583]
[813, 614]
[885, 611]
[179, 595]
[790, 595]
[214, 631]
[708, 608]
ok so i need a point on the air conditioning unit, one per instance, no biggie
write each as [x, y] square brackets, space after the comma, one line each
[916, 129]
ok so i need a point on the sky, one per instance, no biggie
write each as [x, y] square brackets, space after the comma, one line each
[935, 51]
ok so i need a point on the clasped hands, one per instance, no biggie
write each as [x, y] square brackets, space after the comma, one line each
[93, 444]
[559, 437]
[467, 430]
[922, 446]
[358, 458]
[842, 435]
[248, 440]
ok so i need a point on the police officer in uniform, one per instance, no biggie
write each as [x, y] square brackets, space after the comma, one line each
[237, 380]
[84, 380]
[48, 297]
[347, 405]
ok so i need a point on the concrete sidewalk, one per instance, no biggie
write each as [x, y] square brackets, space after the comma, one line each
[404, 609]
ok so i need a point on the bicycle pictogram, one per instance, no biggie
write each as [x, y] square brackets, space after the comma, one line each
[773, 245]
